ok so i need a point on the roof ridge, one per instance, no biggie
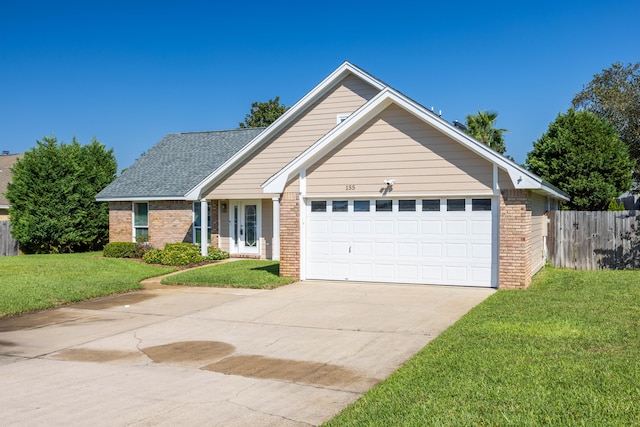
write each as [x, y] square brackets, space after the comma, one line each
[219, 130]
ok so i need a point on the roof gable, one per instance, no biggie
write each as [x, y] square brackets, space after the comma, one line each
[283, 121]
[520, 177]
[176, 163]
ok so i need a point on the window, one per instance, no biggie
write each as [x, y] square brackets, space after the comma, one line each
[407, 205]
[339, 206]
[141, 221]
[361, 205]
[480, 204]
[454, 205]
[384, 206]
[431, 205]
[197, 223]
[318, 206]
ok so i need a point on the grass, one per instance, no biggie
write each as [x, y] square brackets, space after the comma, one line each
[564, 352]
[36, 282]
[253, 274]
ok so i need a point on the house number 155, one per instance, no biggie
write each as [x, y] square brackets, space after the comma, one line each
[350, 187]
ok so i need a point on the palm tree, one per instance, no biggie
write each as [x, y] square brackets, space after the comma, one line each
[481, 127]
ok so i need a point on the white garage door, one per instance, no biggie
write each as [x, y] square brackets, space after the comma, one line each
[430, 241]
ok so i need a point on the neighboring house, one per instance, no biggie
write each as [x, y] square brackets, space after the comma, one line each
[354, 182]
[6, 162]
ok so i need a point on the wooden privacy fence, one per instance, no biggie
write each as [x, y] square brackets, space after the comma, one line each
[8, 245]
[585, 240]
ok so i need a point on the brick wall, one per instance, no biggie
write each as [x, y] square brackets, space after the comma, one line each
[515, 240]
[120, 222]
[170, 221]
[290, 235]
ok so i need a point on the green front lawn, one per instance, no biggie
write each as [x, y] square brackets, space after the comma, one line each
[564, 352]
[36, 282]
[254, 274]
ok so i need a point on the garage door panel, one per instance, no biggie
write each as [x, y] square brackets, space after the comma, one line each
[362, 271]
[408, 273]
[406, 249]
[432, 228]
[458, 250]
[361, 227]
[384, 249]
[480, 251]
[340, 226]
[457, 227]
[384, 271]
[431, 247]
[318, 226]
[340, 248]
[457, 274]
[481, 228]
[408, 227]
[384, 227]
[317, 248]
[361, 249]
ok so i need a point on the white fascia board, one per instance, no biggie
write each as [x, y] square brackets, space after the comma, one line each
[4, 206]
[291, 114]
[520, 177]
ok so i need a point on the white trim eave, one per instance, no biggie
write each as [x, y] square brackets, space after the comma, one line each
[289, 116]
[520, 177]
[140, 199]
[4, 206]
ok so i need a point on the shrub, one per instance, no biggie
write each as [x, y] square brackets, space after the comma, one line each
[216, 254]
[181, 254]
[124, 250]
[153, 256]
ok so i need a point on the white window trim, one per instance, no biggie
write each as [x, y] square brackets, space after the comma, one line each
[135, 227]
[198, 206]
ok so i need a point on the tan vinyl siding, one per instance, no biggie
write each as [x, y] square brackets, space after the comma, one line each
[504, 181]
[396, 145]
[223, 225]
[538, 231]
[245, 182]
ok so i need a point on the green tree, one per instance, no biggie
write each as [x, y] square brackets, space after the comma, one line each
[52, 196]
[263, 113]
[583, 156]
[481, 126]
[615, 95]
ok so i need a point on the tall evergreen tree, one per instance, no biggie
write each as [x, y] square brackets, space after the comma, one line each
[583, 156]
[52, 196]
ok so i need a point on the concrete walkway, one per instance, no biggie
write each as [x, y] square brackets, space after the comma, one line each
[293, 356]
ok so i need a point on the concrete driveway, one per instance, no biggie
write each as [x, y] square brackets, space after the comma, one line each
[292, 356]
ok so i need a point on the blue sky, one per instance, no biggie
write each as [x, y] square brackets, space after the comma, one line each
[129, 72]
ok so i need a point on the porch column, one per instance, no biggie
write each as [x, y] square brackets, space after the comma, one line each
[275, 245]
[204, 227]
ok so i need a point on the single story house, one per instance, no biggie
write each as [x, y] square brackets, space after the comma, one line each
[356, 181]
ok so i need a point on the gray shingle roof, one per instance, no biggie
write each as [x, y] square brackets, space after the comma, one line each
[178, 163]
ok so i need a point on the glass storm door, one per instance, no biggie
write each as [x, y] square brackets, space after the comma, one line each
[245, 227]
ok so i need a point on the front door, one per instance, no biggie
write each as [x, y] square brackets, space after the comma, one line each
[245, 227]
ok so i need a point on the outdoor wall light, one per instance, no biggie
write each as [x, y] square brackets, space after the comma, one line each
[223, 207]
